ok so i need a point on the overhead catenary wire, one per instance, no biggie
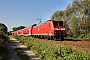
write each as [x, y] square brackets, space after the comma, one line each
[25, 10]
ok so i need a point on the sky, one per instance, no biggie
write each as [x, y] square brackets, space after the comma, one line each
[14, 13]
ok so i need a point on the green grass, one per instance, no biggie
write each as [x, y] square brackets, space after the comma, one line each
[21, 54]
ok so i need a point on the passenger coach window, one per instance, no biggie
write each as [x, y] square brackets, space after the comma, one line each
[57, 23]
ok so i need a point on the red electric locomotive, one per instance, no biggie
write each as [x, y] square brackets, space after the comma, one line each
[50, 29]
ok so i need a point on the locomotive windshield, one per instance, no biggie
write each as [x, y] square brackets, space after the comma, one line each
[58, 23]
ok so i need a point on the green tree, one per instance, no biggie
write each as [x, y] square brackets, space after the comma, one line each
[3, 28]
[57, 15]
[73, 25]
[18, 28]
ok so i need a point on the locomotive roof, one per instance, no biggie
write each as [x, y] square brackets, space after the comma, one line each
[45, 22]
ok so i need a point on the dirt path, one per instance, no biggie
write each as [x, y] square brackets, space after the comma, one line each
[16, 44]
[12, 54]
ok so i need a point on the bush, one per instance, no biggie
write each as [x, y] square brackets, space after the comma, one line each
[3, 45]
[3, 40]
[3, 28]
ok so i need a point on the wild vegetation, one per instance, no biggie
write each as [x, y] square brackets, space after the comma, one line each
[22, 54]
[76, 18]
[3, 42]
[52, 51]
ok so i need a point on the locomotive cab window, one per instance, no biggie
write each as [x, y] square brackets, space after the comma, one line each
[58, 23]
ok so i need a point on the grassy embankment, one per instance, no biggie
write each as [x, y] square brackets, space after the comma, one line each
[52, 51]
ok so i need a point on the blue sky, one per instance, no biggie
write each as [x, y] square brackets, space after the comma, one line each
[25, 12]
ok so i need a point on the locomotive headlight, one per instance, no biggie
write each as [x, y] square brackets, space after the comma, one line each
[62, 28]
[56, 29]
